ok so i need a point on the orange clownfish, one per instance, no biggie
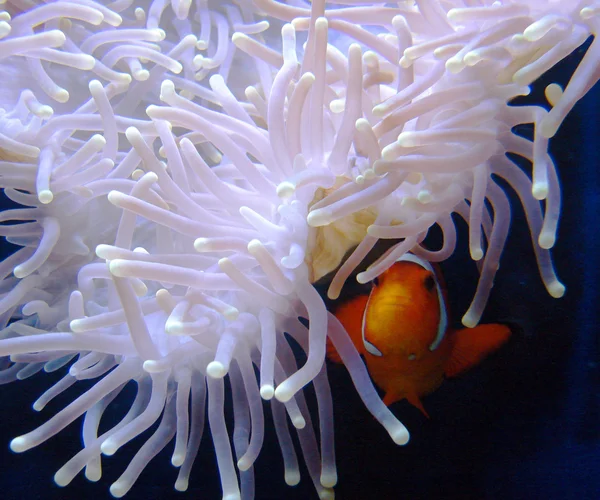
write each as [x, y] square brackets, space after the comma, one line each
[401, 330]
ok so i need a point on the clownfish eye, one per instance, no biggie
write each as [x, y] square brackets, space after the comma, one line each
[429, 283]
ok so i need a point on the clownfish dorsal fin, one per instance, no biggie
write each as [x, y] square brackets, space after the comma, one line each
[443, 324]
[472, 345]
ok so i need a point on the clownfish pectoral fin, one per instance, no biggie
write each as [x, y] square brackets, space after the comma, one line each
[332, 353]
[472, 345]
[350, 315]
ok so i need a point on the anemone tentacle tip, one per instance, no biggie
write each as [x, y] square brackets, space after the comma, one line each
[61, 479]
[118, 489]
[557, 289]
[292, 477]
[283, 393]
[400, 436]
[19, 444]
[216, 369]
[181, 485]
[326, 494]
[328, 479]
[109, 447]
[267, 392]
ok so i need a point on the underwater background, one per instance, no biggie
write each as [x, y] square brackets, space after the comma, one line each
[525, 424]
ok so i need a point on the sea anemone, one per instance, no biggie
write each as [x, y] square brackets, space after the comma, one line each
[185, 173]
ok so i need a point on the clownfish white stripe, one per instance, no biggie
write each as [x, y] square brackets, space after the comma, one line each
[371, 349]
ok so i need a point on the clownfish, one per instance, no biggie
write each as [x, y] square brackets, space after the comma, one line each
[402, 330]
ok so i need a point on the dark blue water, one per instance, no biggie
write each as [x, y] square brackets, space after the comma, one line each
[523, 425]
